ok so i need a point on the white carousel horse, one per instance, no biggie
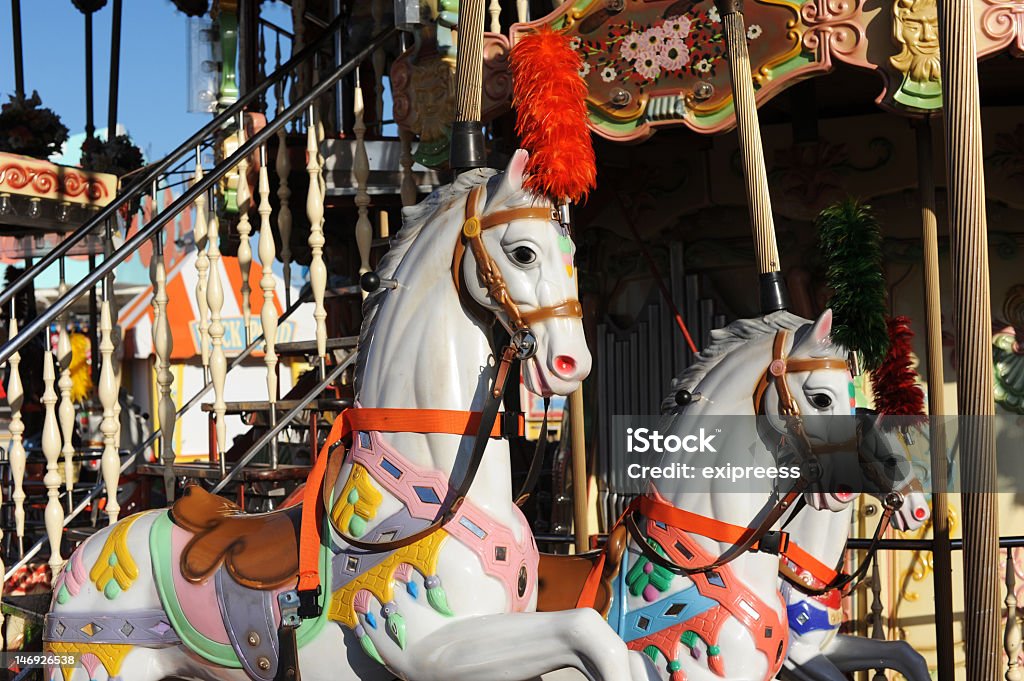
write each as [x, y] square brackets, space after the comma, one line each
[817, 652]
[161, 595]
[727, 620]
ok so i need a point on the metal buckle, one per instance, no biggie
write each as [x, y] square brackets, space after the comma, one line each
[525, 344]
[308, 606]
[893, 501]
[773, 542]
[289, 603]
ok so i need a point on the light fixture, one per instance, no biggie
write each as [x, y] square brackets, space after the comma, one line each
[34, 208]
[62, 211]
[6, 208]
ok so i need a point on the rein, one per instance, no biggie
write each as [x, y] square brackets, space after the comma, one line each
[759, 537]
[522, 345]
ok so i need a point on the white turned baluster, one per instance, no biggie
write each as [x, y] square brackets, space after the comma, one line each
[66, 411]
[283, 166]
[201, 236]
[361, 171]
[315, 213]
[115, 331]
[494, 9]
[163, 343]
[54, 513]
[408, 190]
[377, 12]
[1012, 634]
[243, 198]
[218, 363]
[110, 462]
[268, 314]
[523, 10]
[16, 455]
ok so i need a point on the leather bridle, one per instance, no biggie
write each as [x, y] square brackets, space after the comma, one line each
[516, 320]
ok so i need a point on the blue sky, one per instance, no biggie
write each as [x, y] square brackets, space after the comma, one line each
[152, 100]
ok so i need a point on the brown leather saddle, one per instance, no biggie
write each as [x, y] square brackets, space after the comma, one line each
[260, 551]
[561, 578]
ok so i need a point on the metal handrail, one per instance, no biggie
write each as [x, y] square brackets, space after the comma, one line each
[142, 182]
[280, 425]
[146, 232]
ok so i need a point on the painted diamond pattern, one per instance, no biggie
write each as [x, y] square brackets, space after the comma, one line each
[91, 629]
[643, 623]
[160, 628]
[675, 609]
[60, 628]
[500, 554]
[427, 494]
[127, 629]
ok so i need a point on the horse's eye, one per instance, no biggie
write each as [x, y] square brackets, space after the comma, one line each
[524, 255]
[821, 400]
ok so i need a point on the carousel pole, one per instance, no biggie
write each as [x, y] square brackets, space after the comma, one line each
[19, 67]
[972, 315]
[467, 150]
[941, 552]
[115, 68]
[772, 285]
[90, 124]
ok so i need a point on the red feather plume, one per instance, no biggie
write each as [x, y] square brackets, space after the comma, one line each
[895, 381]
[550, 99]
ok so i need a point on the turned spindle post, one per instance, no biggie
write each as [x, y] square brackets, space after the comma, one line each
[315, 213]
[163, 344]
[523, 11]
[66, 411]
[268, 284]
[202, 238]
[243, 199]
[16, 455]
[110, 462]
[1012, 632]
[53, 516]
[361, 171]
[283, 166]
[218, 362]
[378, 60]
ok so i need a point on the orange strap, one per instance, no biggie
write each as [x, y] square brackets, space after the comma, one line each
[368, 419]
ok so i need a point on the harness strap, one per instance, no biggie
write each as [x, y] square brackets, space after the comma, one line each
[536, 461]
[393, 421]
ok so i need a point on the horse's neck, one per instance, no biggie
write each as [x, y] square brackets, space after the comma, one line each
[822, 533]
[427, 353]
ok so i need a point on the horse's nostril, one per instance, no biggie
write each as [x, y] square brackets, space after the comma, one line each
[564, 365]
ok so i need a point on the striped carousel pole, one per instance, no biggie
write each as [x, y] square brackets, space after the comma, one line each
[759, 203]
[467, 149]
[972, 316]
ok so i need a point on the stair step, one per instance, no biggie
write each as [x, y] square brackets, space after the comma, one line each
[210, 471]
[300, 348]
[283, 406]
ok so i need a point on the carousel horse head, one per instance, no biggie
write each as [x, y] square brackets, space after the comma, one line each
[515, 260]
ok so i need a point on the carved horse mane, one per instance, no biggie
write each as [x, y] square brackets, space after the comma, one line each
[727, 339]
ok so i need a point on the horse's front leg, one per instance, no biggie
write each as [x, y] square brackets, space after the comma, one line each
[523, 646]
[856, 653]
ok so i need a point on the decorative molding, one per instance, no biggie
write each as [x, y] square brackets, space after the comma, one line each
[45, 180]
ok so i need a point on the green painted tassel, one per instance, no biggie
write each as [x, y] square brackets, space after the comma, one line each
[396, 628]
[438, 600]
[369, 648]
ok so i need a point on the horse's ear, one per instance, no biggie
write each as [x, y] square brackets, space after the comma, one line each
[512, 179]
[822, 331]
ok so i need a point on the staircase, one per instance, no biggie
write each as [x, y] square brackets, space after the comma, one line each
[251, 152]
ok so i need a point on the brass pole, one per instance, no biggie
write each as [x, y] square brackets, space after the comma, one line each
[972, 317]
[579, 471]
[759, 202]
[467, 150]
[941, 552]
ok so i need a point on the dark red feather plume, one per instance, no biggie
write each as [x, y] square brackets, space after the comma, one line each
[550, 99]
[895, 381]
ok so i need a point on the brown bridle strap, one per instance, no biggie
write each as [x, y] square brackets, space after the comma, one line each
[487, 270]
[780, 367]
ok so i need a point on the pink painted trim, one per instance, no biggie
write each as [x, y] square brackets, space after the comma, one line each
[403, 572]
[75, 575]
[518, 554]
[361, 602]
[198, 601]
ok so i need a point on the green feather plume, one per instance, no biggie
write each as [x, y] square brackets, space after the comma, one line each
[850, 240]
